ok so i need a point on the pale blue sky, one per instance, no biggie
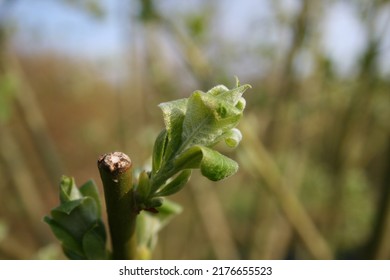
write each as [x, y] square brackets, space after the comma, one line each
[49, 24]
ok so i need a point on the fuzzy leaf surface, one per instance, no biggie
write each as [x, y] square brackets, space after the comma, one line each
[211, 163]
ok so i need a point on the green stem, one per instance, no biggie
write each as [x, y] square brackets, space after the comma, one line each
[161, 177]
[116, 174]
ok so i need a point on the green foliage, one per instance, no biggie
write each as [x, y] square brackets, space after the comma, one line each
[193, 126]
[77, 223]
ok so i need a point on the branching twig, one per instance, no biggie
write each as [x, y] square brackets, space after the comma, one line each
[288, 202]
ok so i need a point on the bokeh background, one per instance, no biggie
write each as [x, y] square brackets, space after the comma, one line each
[82, 78]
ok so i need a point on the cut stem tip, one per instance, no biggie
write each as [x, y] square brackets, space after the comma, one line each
[115, 163]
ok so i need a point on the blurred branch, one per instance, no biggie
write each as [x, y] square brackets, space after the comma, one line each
[285, 84]
[383, 248]
[355, 122]
[93, 8]
[15, 162]
[23, 181]
[35, 121]
[271, 233]
[380, 238]
[214, 222]
[300, 29]
[11, 248]
[284, 196]
[195, 60]
[193, 57]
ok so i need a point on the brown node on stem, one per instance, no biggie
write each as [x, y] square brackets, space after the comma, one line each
[115, 163]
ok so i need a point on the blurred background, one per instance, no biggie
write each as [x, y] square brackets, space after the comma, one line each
[82, 78]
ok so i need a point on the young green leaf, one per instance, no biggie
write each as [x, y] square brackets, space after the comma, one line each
[67, 239]
[94, 245]
[176, 184]
[68, 190]
[143, 187]
[207, 119]
[233, 138]
[89, 189]
[173, 113]
[159, 150]
[232, 96]
[79, 219]
[212, 164]
[72, 255]
[76, 222]
[193, 126]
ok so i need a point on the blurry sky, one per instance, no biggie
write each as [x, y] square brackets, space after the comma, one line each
[49, 24]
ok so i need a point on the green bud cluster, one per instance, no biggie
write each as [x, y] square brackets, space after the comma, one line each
[77, 223]
[193, 126]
